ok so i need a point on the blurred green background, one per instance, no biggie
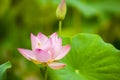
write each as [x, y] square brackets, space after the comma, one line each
[19, 18]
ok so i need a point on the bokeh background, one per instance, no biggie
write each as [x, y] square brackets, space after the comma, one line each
[19, 18]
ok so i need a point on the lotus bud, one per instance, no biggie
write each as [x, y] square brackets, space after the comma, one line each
[61, 10]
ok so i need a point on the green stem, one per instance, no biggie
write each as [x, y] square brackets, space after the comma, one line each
[60, 27]
[46, 71]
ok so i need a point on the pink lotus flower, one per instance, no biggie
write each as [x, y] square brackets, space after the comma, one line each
[46, 50]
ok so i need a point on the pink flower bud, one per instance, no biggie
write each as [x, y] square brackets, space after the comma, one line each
[61, 10]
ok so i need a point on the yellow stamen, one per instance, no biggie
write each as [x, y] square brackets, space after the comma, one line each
[50, 61]
[39, 44]
[36, 62]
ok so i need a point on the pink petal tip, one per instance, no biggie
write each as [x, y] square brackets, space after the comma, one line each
[56, 65]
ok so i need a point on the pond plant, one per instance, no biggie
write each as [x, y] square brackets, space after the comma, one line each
[81, 57]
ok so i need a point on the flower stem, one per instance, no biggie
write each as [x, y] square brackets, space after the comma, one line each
[46, 71]
[60, 27]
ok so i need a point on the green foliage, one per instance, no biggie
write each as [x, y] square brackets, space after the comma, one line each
[4, 6]
[18, 18]
[95, 7]
[89, 59]
[3, 69]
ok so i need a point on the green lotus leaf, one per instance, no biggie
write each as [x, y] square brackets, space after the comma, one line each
[90, 58]
[3, 68]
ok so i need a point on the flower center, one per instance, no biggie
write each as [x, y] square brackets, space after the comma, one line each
[35, 61]
[38, 44]
[50, 61]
